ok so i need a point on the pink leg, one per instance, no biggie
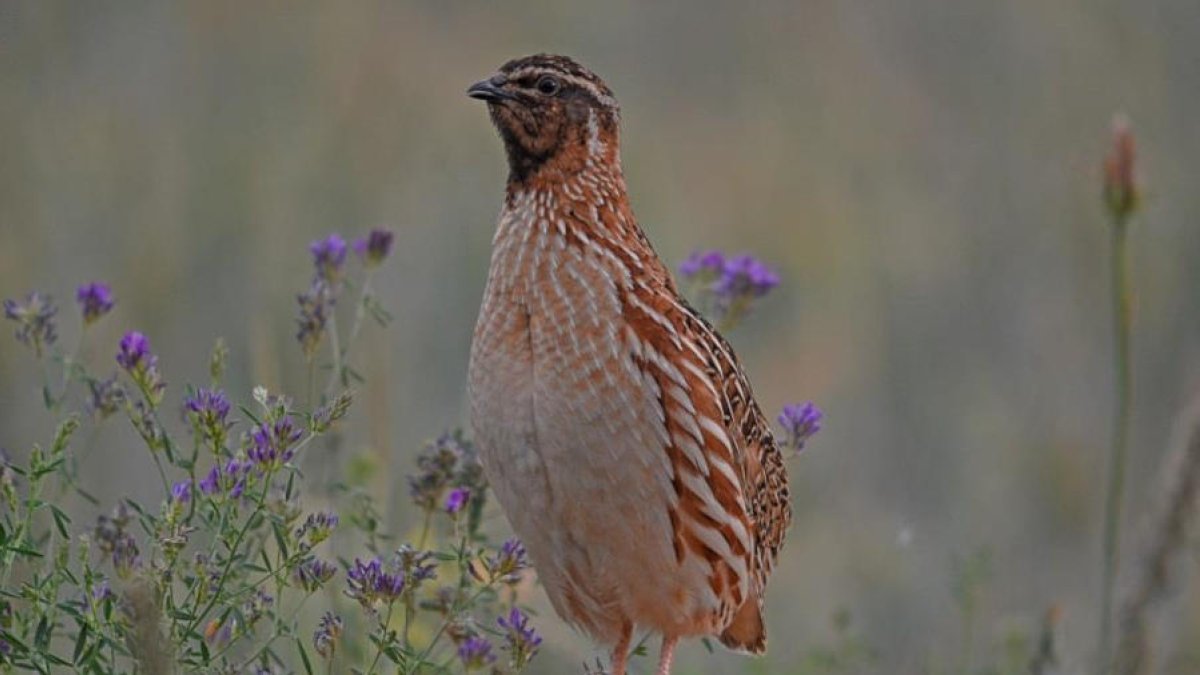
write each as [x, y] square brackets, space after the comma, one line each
[668, 655]
[620, 652]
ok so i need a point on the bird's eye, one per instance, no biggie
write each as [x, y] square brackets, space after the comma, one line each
[548, 85]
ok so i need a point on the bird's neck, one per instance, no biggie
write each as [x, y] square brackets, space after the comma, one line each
[583, 151]
[551, 213]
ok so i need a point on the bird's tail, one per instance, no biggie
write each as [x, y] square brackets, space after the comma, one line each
[746, 633]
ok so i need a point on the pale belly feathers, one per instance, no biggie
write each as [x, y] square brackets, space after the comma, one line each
[569, 431]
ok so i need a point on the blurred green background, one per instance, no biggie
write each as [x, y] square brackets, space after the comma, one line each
[924, 175]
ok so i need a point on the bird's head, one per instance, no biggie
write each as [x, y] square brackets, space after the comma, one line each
[553, 114]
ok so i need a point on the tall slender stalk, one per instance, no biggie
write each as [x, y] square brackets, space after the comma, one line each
[1121, 198]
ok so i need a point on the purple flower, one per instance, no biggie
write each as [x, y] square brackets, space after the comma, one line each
[416, 565]
[800, 422]
[329, 254]
[374, 247]
[273, 444]
[181, 492]
[256, 607]
[326, 636]
[95, 300]
[475, 653]
[35, 320]
[728, 285]
[456, 500]
[113, 539]
[142, 365]
[508, 562]
[106, 397]
[743, 275]
[230, 479]
[208, 410]
[706, 263]
[125, 556]
[326, 416]
[102, 592]
[522, 640]
[312, 574]
[316, 305]
[317, 527]
[135, 351]
[449, 461]
[370, 584]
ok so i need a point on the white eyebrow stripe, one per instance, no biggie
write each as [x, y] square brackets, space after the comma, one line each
[583, 83]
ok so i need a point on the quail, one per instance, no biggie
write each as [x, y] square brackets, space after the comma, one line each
[616, 426]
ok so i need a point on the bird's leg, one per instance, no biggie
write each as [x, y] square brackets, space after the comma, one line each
[668, 655]
[620, 652]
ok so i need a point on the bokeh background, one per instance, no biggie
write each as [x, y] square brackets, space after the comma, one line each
[924, 175]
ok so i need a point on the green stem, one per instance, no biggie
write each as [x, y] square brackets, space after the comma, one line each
[387, 621]
[233, 554]
[1122, 363]
[341, 355]
[336, 349]
[18, 538]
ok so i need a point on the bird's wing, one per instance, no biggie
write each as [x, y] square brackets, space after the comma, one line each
[729, 476]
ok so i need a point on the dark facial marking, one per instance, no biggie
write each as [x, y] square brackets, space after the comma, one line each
[542, 106]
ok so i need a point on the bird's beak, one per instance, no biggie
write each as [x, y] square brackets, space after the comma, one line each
[490, 90]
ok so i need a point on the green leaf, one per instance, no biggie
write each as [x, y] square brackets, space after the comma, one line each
[280, 539]
[87, 496]
[304, 656]
[27, 552]
[80, 642]
[250, 414]
[60, 521]
[41, 637]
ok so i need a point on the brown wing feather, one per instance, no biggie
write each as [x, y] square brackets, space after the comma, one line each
[729, 472]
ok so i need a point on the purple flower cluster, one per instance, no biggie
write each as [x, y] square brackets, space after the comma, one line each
[744, 275]
[329, 255]
[728, 283]
[326, 416]
[35, 320]
[703, 263]
[329, 262]
[374, 248]
[274, 444]
[521, 639]
[326, 636]
[417, 566]
[312, 574]
[95, 300]
[448, 473]
[256, 607]
[141, 365]
[208, 410]
[800, 421]
[316, 306]
[509, 561]
[456, 500]
[106, 397]
[316, 528]
[181, 492]
[475, 653]
[370, 584]
[114, 539]
[228, 480]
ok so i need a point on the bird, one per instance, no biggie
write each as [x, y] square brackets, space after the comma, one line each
[616, 427]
